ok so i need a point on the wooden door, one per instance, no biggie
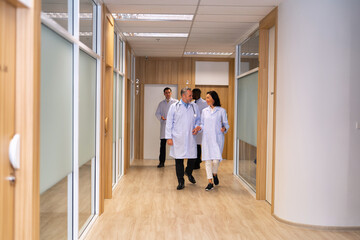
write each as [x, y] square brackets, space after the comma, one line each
[7, 116]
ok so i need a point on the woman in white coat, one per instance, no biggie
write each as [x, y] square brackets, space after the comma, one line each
[214, 124]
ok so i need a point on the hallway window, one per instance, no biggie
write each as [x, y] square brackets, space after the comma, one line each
[248, 53]
[59, 12]
[87, 26]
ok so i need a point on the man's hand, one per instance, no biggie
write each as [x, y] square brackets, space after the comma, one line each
[162, 118]
[170, 142]
[196, 130]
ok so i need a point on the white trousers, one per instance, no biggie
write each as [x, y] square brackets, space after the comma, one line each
[211, 167]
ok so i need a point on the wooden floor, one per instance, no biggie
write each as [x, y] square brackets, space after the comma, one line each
[146, 205]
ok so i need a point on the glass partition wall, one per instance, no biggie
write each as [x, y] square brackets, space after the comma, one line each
[118, 101]
[246, 109]
[69, 117]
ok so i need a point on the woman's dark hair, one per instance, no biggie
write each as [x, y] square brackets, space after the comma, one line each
[216, 98]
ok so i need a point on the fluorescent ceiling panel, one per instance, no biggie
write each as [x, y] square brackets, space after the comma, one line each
[62, 15]
[240, 3]
[165, 9]
[209, 53]
[228, 18]
[160, 35]
[154, 29]
[152, 2]
[198, 24]
[233, 10]
[237, 31]
[150, 24]
[151, 17]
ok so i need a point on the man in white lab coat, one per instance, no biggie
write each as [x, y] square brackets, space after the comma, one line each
[201, 103]
[161, 114]
[182, 119]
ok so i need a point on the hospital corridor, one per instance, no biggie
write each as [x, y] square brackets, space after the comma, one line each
[192, 119]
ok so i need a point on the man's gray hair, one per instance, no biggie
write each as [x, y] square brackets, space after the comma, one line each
[184, 90]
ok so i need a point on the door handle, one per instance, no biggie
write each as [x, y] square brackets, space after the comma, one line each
[106, 125]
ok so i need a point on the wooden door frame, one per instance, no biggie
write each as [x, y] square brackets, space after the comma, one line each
[265, 24]
[27, 119]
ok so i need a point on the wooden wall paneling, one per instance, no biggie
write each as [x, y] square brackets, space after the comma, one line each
[106, 110]
[150, 71]
[140, 74]
[108, 97]
[173, 72]
[27, 192]
[230, 110]
[7, 116]
[262, 115]
[269, 21]
[138, 127]
[20, 64]
[127, 115]
[163, 72]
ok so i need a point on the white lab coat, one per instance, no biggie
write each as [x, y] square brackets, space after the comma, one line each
[213, 138]
[180, 123]
[201, 103]
[162, 110]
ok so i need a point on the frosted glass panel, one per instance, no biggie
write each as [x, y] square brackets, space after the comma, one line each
[247, 127]
[119, 105]
[114, 132]
[87, 107]
[87, 130]
[55, 109]
[247, 108]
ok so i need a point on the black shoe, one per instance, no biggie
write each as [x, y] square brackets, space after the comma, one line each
[180, 186]
[216, 180]
[160, 165]
[209, 187]
[191, 178]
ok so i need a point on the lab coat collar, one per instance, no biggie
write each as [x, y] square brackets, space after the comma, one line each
[216, 108]
[170, 100]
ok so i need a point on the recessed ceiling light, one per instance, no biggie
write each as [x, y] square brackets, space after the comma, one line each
[209, 53]
[151, 17]
[65, 15]
[155, 34]
[249, 54]
[85, 34]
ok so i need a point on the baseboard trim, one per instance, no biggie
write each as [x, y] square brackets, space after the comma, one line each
[317, 227]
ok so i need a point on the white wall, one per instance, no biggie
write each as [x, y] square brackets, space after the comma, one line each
[317, 168]
[153, 94]
[211, 73]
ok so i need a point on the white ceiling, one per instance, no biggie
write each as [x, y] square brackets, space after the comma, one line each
[217, 25]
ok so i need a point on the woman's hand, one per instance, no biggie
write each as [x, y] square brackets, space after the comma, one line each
[170, 142]
[196, 130]
[223, 129]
